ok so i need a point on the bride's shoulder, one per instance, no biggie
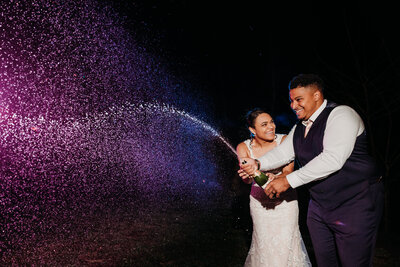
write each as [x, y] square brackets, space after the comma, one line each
[243, 148]
[244, 144]
[280, 137]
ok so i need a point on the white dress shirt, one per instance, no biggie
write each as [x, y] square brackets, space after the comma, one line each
[342, 128]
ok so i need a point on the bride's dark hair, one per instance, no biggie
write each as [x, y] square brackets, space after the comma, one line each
[252, 115]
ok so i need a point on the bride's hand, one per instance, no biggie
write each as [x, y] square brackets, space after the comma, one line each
[248, 165]
[245, 177]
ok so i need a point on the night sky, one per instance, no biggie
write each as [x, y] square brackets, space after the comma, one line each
[243, 55]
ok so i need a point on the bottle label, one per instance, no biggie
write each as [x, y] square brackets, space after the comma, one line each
[265, 185]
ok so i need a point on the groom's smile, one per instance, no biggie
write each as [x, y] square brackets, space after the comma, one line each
[304, 101]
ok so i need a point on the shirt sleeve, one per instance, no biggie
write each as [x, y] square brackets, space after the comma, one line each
[280, 155]
[342, 128]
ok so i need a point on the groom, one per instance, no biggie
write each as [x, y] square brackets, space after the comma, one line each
[330, 144]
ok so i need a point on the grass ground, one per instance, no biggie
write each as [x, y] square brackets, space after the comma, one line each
[163, 238]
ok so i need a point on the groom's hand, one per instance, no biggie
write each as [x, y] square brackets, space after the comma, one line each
[277, 186]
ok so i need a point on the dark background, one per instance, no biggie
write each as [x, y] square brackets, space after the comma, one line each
[244, 54]
[241, 55]
[214, 60]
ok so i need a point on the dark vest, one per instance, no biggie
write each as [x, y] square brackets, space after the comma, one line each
[357, 173]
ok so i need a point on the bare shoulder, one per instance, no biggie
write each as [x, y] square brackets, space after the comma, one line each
[284, 137]
[242, 150]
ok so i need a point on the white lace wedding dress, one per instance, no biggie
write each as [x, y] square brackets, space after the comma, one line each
[276, 239]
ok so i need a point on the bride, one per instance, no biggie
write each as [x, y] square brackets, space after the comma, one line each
[276, 239]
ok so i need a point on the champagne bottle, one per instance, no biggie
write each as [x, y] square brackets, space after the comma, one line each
[259, 177]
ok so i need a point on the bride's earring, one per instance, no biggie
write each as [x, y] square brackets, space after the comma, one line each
[252, 135]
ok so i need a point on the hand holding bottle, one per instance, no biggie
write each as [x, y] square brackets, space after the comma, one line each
[259, 177]
[248, 166]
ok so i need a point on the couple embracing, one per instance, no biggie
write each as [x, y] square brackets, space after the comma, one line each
[329, 143]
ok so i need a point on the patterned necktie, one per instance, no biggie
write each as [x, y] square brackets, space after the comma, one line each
[308, 126]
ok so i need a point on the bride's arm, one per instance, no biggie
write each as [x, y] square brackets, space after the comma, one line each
[243, 152]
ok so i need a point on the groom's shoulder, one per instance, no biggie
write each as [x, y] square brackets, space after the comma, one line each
[344, 111]
[343, 108]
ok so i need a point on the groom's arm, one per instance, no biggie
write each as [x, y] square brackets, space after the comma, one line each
[280, 155]
[343, 127]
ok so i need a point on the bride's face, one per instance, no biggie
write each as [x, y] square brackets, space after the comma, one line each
[264, 127]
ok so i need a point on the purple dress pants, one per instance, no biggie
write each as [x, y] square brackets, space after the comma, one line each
[346, 235]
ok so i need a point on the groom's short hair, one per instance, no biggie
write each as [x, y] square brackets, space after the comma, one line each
[304, 80]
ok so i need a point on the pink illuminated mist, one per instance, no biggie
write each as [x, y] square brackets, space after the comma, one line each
[89, 122]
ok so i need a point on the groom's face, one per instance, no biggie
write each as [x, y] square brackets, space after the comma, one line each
[305, 101]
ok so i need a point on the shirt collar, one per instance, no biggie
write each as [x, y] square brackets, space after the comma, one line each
[315, 115]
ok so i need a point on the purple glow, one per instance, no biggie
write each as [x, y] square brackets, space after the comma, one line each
[78, 132]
